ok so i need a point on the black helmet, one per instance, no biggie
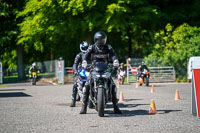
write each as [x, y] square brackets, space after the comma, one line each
[100, 38]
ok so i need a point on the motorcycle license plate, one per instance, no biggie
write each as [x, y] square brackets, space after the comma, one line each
[34, 73]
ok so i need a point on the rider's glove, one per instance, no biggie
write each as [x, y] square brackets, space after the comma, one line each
[116, 63]
[84, 64]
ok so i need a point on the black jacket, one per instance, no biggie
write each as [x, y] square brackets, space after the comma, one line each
[142, 67]
[33, 69]
[78, 61]
[100, 54]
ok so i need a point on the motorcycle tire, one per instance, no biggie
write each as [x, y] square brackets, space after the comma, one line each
[34, 81]
[100, 102]
[147, 81]
[78, 97]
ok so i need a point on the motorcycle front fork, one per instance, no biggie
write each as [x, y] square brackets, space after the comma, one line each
[106, 92]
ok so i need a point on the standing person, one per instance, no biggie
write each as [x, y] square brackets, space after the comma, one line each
[121, 72]
[100, 52]
[76, 68]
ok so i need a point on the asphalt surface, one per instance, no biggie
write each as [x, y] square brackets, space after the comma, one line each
[44, 108]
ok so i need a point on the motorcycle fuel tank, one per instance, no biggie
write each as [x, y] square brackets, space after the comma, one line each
[100, 66]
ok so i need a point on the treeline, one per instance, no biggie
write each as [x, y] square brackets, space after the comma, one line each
[39, 30]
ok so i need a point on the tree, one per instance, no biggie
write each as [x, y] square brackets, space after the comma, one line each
[8, 33]
[135, 21]
[174, 46]
[55, 26]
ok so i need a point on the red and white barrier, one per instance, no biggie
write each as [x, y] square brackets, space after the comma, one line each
[196, 92]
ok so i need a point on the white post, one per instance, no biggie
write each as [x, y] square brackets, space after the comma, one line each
[127, 70]
[1, 73]
[193, 100]
[60, 69]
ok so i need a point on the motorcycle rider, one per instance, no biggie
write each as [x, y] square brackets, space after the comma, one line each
[33, 68]
[143, 66]
[141, 69]
[100, 51]
[76, 68]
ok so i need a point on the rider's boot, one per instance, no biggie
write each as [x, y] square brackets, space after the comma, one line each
[78, 98]
[85, 99]
[90, 104]
[116, 109]
[73, 103]
[83, 109]
[74, 93]
[115, 101]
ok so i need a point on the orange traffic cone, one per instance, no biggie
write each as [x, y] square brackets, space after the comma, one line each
[177, 97]
[152, 109]
[152, 89]
[121, 97]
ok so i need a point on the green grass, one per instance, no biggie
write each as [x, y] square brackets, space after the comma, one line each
[1, 86]
[14, 78]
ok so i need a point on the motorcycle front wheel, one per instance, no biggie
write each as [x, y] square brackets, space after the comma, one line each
[34, 81]
[147, 81]
[100, 102]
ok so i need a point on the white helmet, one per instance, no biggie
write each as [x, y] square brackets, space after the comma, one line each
[33, 65]
[84, 46]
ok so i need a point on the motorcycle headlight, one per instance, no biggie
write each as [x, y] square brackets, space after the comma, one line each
[95, 75]
[106, 75]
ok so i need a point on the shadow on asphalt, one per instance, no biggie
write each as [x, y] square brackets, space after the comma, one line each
[128, 100]
[78, 104]
[14, 94]
[126, 113]
[158, 85]
[13, 90]
[129, 113]
[166, 111]
[121, 105]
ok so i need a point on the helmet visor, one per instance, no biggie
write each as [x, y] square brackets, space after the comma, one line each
[84, 48]
[101, 42]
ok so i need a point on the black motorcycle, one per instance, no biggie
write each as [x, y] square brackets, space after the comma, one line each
[100, 92]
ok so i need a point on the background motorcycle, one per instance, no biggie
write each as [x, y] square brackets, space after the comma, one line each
[82, 78]
[100, 92]
[34, 78]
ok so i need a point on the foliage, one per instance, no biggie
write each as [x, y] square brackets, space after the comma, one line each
[9, 31]
[49, 29]
[174, 46]
[56, 26]
[48, 23]
[134, 20]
